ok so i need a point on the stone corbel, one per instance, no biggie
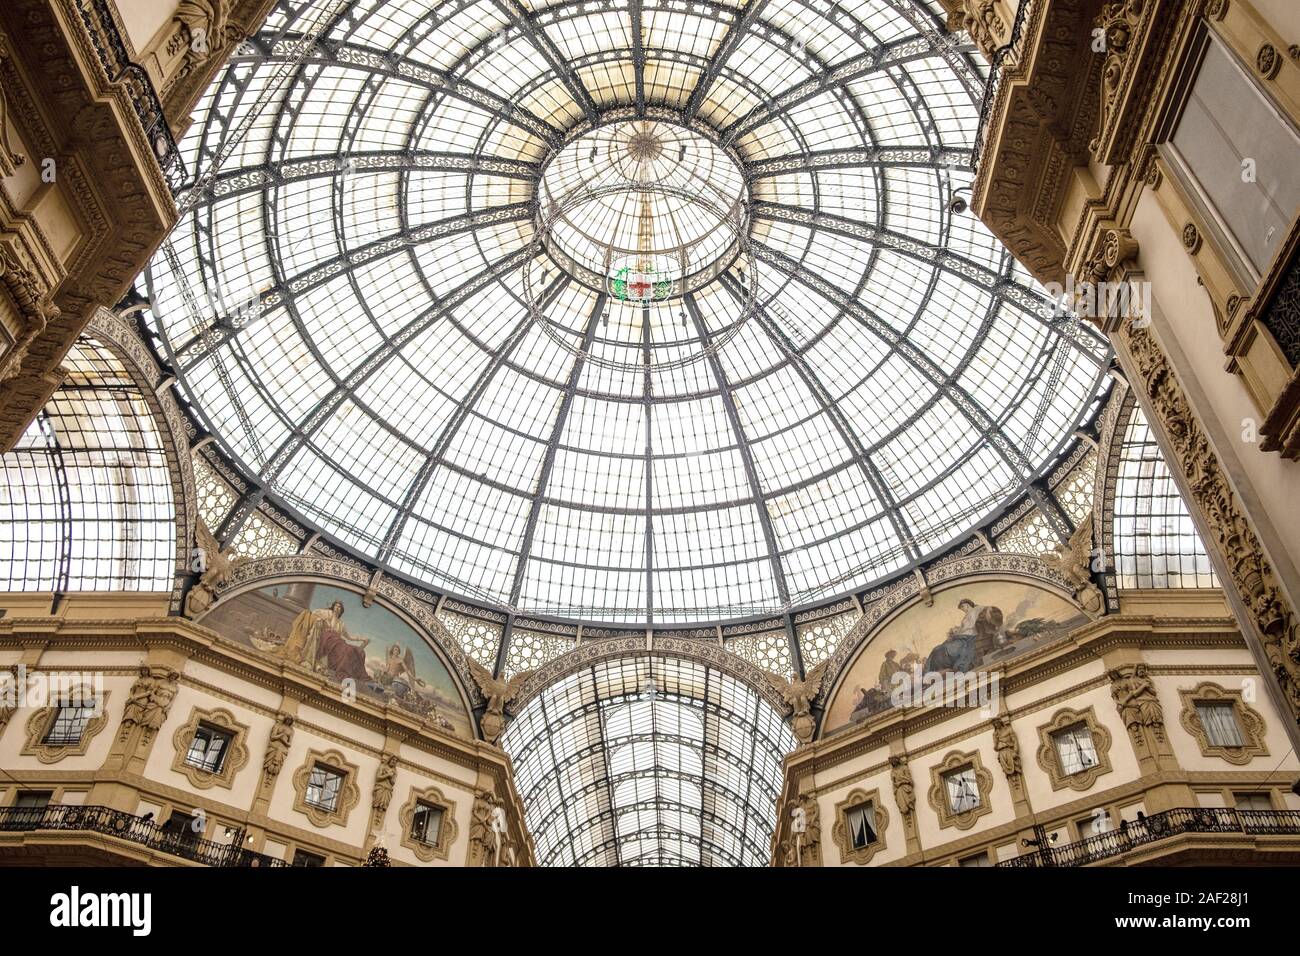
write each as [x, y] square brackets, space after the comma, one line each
[10, 157]
[1124, 27]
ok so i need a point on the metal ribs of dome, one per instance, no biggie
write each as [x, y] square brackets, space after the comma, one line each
[902, 383]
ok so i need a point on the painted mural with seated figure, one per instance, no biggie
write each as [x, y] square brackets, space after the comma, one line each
[328, 631]
[969, 627]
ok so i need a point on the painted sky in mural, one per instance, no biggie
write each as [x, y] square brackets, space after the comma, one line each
[969, 626]
[327, 630]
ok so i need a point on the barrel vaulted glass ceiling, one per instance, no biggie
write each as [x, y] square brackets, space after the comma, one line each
[613, 309]
[649, 761]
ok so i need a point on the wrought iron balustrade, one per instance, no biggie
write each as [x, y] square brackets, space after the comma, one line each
[1132, 834]
[995, 80]
[98, 20]
[126, 826]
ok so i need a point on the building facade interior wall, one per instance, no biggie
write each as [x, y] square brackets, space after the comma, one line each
[726, 433]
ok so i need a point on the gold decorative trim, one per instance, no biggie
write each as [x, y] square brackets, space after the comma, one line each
[938, 794]
[1249, 722]
[840, 831]
[349, 793]
[447, 829]
[38, 725]
[1050, 760]
[236, 753]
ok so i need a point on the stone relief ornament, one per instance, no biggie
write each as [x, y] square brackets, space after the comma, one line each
[799, 696]
[904, 792]
[1135, 698]
[215, 570]
[498, 694]
[802, 845]
[277, 748]
[1249, 570]
[382, 795]
[10, 158]
[1007, 747]
[1118, 22]
[489, 832]
[150, 699]
[1073, 561]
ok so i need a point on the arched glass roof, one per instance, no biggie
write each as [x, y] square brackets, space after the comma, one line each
[649, 761]
[86, 495]
[613, 309]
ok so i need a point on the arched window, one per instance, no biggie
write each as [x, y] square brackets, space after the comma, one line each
[649, 761]
[86, 496]
[1156, 544]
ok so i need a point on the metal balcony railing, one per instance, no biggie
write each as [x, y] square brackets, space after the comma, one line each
[125, 826]
[995, 81]
[102, 28]
[1132, 834]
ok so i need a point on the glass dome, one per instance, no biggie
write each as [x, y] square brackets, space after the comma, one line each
[625, 311]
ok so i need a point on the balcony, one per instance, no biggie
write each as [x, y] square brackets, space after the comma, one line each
[1132, 835]
[123, 826]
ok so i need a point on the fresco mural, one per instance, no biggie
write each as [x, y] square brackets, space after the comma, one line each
[969, 626]
[327, 630]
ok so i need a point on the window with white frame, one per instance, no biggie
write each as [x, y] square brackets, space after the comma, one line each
[1075, 749]
[1219, 718]
[323, 787]
[963, 791]
[69, 723]
[861, 822]
[208, 748]
[426, 824]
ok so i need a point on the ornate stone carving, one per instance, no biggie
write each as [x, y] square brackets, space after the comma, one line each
[236, 754]
[1007, 747]
[214, 570]
[1249, 722]
[900, 776]
[1249, 572]
[1073, 560]
[802, 844]
[277, 748]
[799, 696]
[840, 831]
[1215, 9]
[1268, 61]
[382, 794]
[1050, 761]
[1118, 22]
[489, 833]
[1191, 237]
[1136, 700]
[497, 694]
[149, 701]
[10, 158]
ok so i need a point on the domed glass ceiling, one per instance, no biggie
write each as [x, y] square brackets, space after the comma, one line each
[613, 310]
